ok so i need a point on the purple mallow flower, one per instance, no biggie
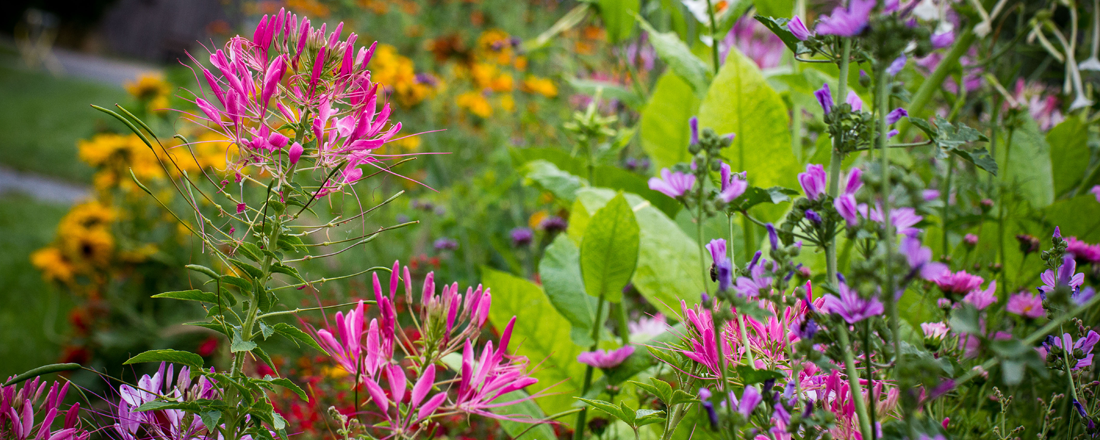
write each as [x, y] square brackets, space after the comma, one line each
[717, 248]
[1096, 191]
[854, 101]
[845, 204]
[672, 184]
[605, 359]
[749, 400]
[847, 22]
[522, 237]
[920, 258]
[813, 181]
[712, 415]
[1067, 276]
[1084, 344]
[445, 244]
[896, 66]
[750, 286]
[825, 99]
[851, 307]
[733, 184]
[798, 29]
[943, 39]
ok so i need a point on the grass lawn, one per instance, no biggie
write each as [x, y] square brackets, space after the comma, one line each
[42, 117]
[32, 312]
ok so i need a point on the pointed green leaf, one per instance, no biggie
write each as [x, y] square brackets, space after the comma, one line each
[167, 355]
[296, 335]
[560, 272]
[609, 251]
[679, 57]
[190, 295]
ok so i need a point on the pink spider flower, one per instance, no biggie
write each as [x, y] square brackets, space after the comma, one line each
[494, 374]
[700, 339]
[168, 424]
[18, 414]
[405, 423]
[605, 359]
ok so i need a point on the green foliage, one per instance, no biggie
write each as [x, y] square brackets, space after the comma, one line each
[618, 18]
[1026, 163]
[664, 123]
[679, 58]
[948, 138]
[741, 102]
[560, 272]
[609, 250]
[633, 418]
[168, 355]
[1069, 151]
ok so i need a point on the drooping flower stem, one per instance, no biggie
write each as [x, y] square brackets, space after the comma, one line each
[830, 252]
[578, 429]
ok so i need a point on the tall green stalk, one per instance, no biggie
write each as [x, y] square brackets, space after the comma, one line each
[830, 254]
[578, 429]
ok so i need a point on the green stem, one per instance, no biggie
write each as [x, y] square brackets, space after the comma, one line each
[745, 340]
[870, 367]
[1067, 352]
[620, 320]
[578, 430]
[853, 382]
[935, 80]
[835, 163]
[1001, 212]
[713, 36]
[945, 197]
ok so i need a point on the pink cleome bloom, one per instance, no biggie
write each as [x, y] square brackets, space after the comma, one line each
[18, 412]
[605, 359]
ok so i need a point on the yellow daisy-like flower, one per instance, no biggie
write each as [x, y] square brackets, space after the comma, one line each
[495, 45]
[149, 87]
[102, 148]
[397, 75]
[88, 246]
[89, 215]
[542, 86]
[53, 265]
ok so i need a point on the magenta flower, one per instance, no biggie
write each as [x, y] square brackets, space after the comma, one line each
[717, 248]
[851, 307]
[920, 258]
[854, 101]
[1067, 276]
[295, 153]
[970, 240]
[1026, 304]
[798, 29]
[733, 184]
[647, 327]
[755, 41]
[346, 346]
[845, 204]
[17, 413]
[982, 298]
[943, 39]
[934, 331]
[1083, 252]
[824, 98]
[402, 422]
[958, 283]
[605, 359]
[494, 374]
[1096, 191]
[165, 423]
[672, 184]
[813, 181]
[847, 22]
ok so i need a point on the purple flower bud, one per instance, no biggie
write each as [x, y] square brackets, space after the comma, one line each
[694, 123]
[522, 237]
[825, 98]
[813, 216]
[705, 298]
[798, 29]
[772, 236]
[895, 115]
[854, 101]
[755, 259]
[1057, 232]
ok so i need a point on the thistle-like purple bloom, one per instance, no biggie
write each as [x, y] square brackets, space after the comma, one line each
[896, 115]
[851, 307]
[672, 184]
[825, 98]
[445, 244]
[522, 237]
[798, 29]
[605, 359]
[813, 181]
[554, 224]
[847, 22]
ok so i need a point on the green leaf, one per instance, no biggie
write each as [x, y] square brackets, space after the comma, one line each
[560, 272]
[1069, 153]
[778, 26]
[210, 418]
[167, 355]
[190, 295]
[668, 267]
[609, 408]
[1026, 163]
[288, 384]
[238, 282]
[296, 335]
[203, 270]
[251, 251]
[679, 58]
[965, 320]
[775, 8]
[618, 18]
[291, 243]
[529, 410]
[540, 334]
[980, 158]
[287, 270]
[647, 417]
[740, 101]
[755, 196]
[238, 344]
[252, 271]
[629, 415]
[41, 371]
[751, 375]
[549, 177]
[609, 251]
[664, 122]
[265, 330]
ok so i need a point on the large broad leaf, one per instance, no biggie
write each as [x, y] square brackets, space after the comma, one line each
[560, 272]
[549, 177]
[1025, 164]
[541, 334]
[1069, 153]
[741, 102]
[679, 58]
[669, 266]
[609, 250]
[618, 18]
[664, 123]
[774, 8]
[1077, 217]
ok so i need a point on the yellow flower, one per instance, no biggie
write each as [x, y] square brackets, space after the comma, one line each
[397, 75]
[495, 46]
[333, 372]
[308, 7]
[476, 103]
[508, 103]
[536, 219]
[502, 83]
[542, 86]
[89, 215]
[148, 87]
[101, 148]
[88, 246]
[53, 264]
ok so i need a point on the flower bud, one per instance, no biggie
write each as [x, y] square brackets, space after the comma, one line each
[295, 153]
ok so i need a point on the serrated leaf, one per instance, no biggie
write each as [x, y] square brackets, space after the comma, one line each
[628, 415]
[238, 344]
[680, 396]
[210, 418]
[203, 270]
[296, 335]
[265, 330]
[609, 408]
[647, 417]
[980, 157]
[167, 355]
[190, 295]
[679, 58]
[609, 250]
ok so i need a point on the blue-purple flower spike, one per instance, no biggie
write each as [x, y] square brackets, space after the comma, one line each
[694, 123]
[772, 236]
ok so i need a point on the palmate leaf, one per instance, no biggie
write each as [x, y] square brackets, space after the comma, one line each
[948, 138]
[755, 196]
